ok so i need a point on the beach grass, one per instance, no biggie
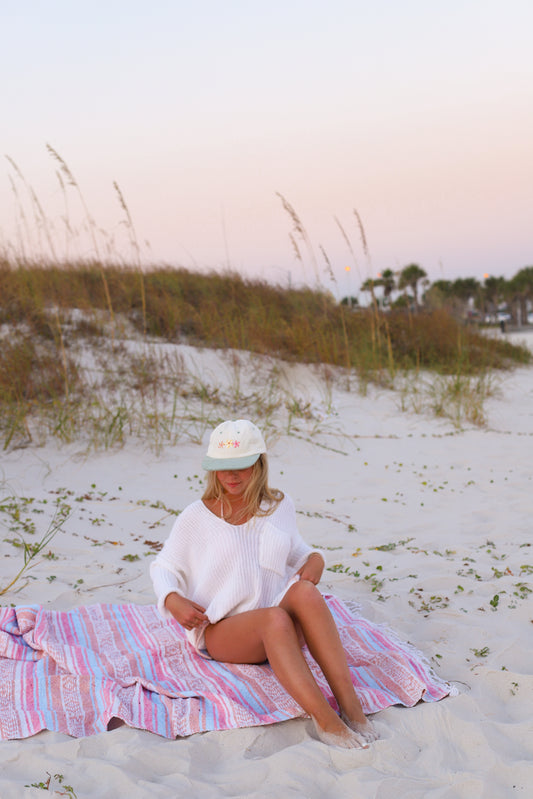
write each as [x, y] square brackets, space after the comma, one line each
[228, 311]
[89, 357]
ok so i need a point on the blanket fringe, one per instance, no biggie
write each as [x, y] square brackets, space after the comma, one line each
[355, 610]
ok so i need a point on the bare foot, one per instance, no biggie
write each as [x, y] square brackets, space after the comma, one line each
[345, 737]
[365, 729]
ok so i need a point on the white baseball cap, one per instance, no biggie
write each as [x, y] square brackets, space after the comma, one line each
[234, 445]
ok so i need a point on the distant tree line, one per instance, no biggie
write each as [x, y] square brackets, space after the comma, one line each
[465, 297]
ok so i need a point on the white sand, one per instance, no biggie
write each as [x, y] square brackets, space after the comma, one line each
[455, 510]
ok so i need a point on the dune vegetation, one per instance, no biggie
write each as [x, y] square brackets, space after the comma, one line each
[91, 347]
[56, 319]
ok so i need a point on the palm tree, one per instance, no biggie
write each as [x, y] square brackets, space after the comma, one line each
[466, 290]
[521, 289]
[369, 285]
[352, 302]
[440, 294]
[410, 276]
[494, 291]
[388, 282]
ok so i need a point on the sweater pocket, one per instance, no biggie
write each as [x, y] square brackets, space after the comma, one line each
[274, 547]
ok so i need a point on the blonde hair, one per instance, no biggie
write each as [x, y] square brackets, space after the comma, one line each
[259, 498]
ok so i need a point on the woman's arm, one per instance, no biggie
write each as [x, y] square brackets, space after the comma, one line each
[308, 563]
[187, 613]
[171, 601]
[171, 568]
[312, 568]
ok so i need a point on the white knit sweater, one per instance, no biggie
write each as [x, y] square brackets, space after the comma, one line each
[228, 569]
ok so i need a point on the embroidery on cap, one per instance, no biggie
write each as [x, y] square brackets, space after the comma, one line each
[229, 443]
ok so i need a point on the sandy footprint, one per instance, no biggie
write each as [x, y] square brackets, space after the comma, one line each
[275, 738]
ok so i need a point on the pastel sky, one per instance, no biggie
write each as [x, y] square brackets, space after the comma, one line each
[418, 114]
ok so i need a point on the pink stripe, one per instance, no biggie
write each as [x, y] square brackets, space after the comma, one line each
[125, 660]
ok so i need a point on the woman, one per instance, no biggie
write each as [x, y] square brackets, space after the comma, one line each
[236, 574]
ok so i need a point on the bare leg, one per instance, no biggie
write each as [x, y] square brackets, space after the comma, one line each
[270, 634]
[307, 607]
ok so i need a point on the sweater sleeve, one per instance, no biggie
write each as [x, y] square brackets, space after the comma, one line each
[299, 550]
[169, 570]
[165, 583]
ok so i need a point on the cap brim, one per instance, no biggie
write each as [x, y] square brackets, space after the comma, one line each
[222, 464]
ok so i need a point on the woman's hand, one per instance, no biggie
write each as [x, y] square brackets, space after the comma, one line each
[189, 614]
[312, 568]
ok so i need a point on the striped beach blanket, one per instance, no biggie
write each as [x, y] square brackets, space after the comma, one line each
[78, 671]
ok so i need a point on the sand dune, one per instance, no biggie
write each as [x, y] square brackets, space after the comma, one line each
[428, 527]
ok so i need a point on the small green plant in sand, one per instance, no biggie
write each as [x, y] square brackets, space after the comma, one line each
[522, 590]
[392, 545]
[56, 784]
[426, 605]
[374, 579]
[31, 551]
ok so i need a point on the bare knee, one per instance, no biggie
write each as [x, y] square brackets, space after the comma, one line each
[277, 621]
[304, 602]
[246, 637]
[302, 594]
[281, 628]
